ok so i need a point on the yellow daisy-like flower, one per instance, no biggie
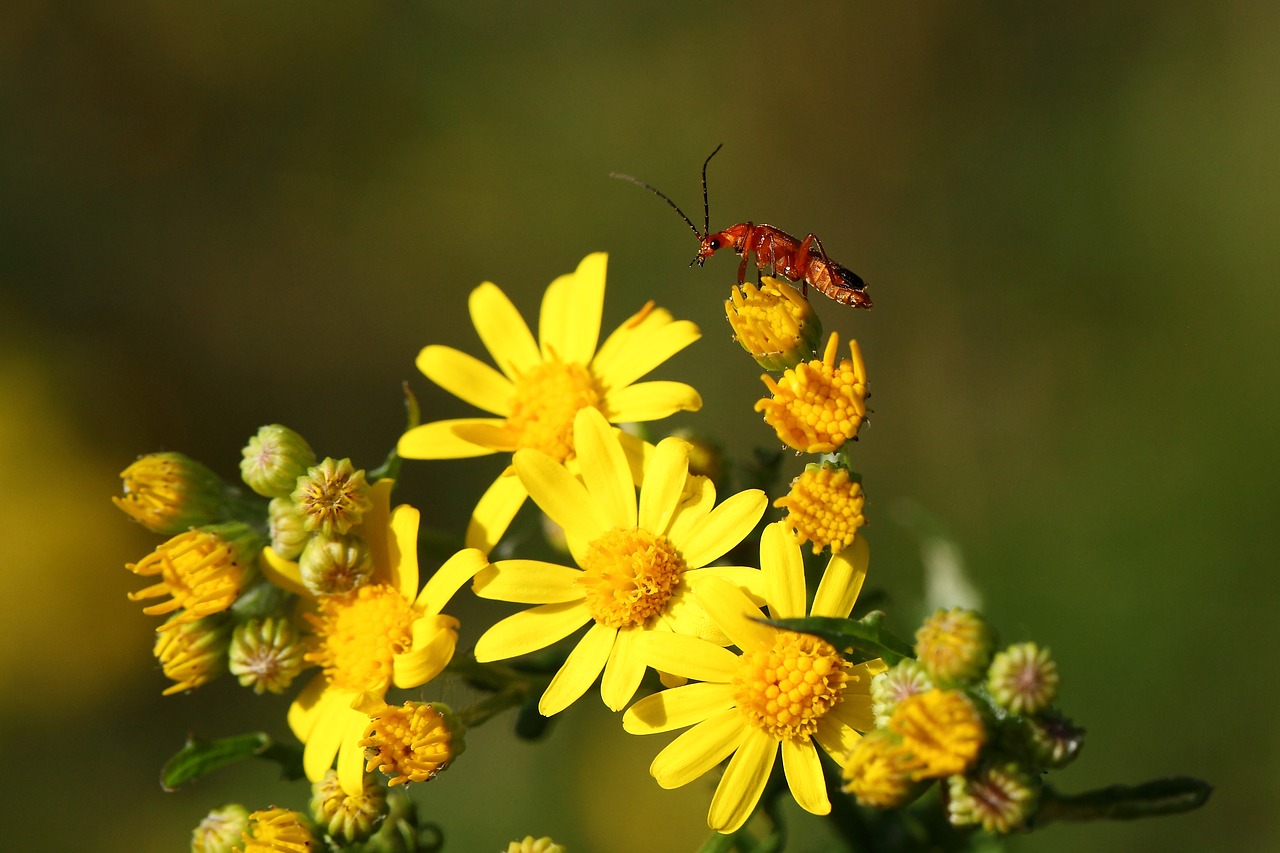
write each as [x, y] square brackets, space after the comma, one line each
[637, 561]
[783, 693]
[824, 506]
[817, 406]
[540, 385]
[382, 633]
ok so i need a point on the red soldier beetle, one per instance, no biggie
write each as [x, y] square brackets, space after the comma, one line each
[802, 261]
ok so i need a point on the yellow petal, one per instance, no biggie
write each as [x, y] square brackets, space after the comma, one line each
[281, 572]
[351, 755]
[743, 782]
[641, 344]
[561, 495]
[401, 567]
[375, 527]
[854, 711]
[783, 568]
[664, 481]
[836, 737]
[305, 709]
[699, 750]
[580, 670]
[503, 331]
[650, 401]
[842, 580]
[569, 322]
[734, 613]
[493, 514]
[689, 656]
[448, 579]
[530, 630]
[726, 526]
[803, 768]
[333, 715]
[624, 670]
[677, 707]
[434, 639]
[604, 467]
[529, 582]
[694, 509]
[467, 378]
[440, 440]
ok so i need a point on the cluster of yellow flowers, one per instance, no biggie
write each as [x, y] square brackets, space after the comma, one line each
[649, 576]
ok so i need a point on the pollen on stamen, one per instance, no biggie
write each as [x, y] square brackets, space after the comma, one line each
[786, 690]
[359, 634]
[824, 506]
[629, 576]
[546, 400]
[818, 406]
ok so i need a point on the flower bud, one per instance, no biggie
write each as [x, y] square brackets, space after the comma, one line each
[824, 506]
[905, 678]
[999, 798]
[335, 564]
[202, 571]
[1023, 679]
[276, 830]
[941, 729]
[774, 323]
[274, 459]
[347, 819]
[1055, 741]
[266, 654]
[192, 653]
[332, 497]
[288, 528]
[879, 771]
[954, 645]
[529, 844]
[221, 830]
[412, 742]
[170, 492]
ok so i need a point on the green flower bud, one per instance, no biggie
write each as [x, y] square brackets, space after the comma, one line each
[332, 496]
[954, 645]
[905, 678]
[347, 819]
[266, 654]
[170, 492]
[221, 830]
[999, 798]
[1023, 679]
[1055, 741]
[288, 528]
[333, 564]
[274, 459]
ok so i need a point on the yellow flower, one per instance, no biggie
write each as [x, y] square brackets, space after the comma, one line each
[824, 506]
[276, 830]
[817, 406]
[783, 693]
[540, 385]
[941, 729]
[774, 323]
[413, 742]
[202, 571]
[535, 845]
[382, 633]
[637, 561]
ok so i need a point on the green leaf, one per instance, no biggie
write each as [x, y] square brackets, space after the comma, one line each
[1125, 802]
[199, 757]
[867, 636]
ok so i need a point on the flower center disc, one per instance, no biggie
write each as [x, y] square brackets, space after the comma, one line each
[629, 576]
[787, 689]
[546, 400]
[359, 634]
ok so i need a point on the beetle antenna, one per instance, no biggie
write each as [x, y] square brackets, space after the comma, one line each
[706, 207]
[660, 194]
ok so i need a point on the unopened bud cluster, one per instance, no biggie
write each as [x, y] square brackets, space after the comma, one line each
[221, 613]
[978, 718]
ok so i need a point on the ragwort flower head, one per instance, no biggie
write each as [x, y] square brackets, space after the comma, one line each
[637, 561]
[384, 632]
[824, 506]
[818, 406]
[539, 385]
[774, 323]
[785, 692]
[202, 571]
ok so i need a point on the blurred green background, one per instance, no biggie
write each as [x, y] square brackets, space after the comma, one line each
[219, 215]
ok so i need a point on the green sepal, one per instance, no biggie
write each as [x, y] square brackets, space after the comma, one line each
[1125, 802]
[199, 757]
[867, 635]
